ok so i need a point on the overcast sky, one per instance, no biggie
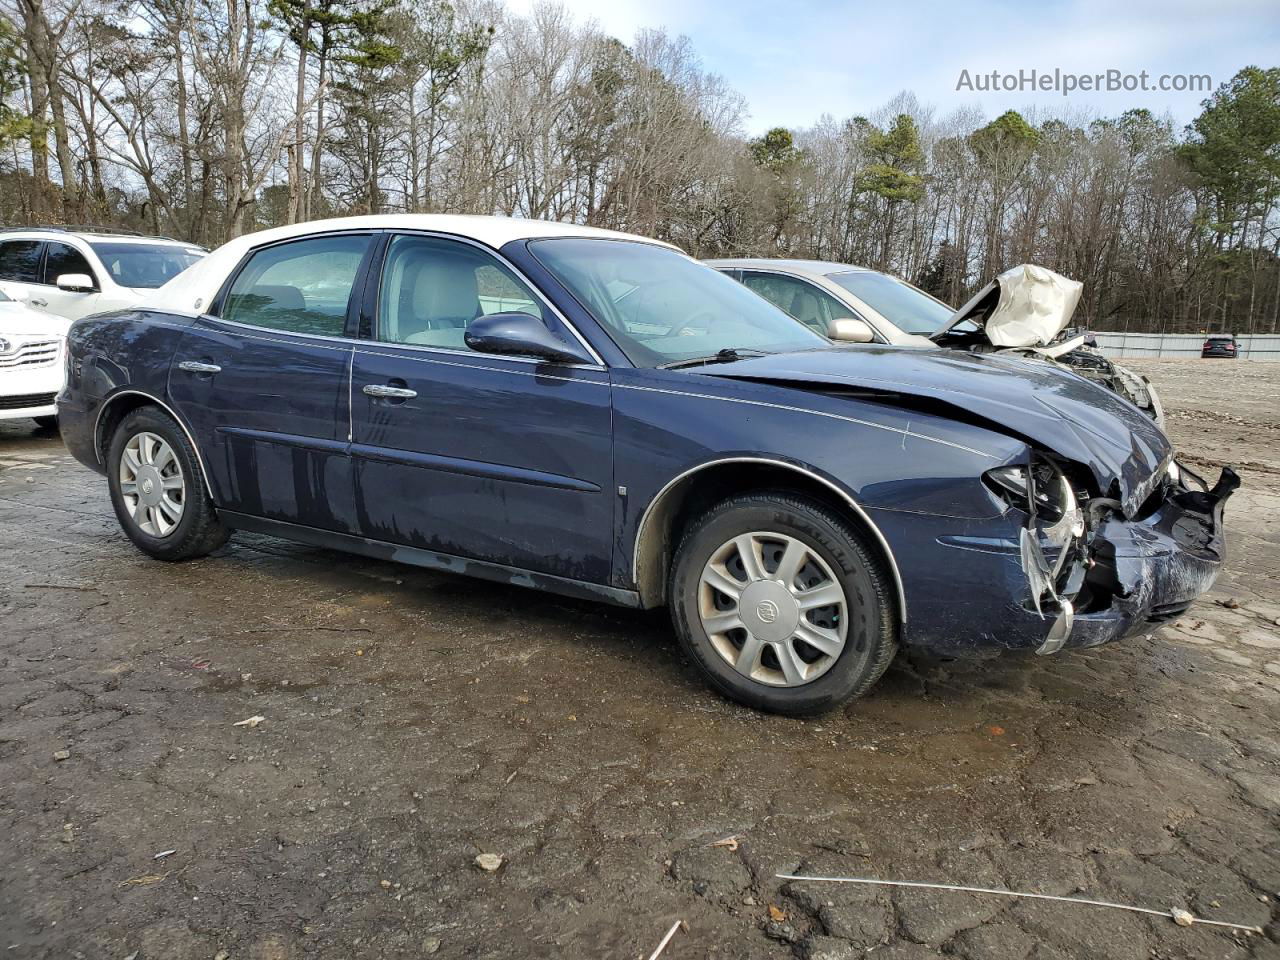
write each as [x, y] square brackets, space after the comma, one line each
[795, 60]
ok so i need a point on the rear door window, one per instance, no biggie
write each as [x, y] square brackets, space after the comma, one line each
[20, 260]
[301, 287]
[61, 259]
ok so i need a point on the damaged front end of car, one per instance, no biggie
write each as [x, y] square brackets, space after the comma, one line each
[1028, 509]
[1052, 545]
[1097, 574]
[1024, 312]
[1089, 363]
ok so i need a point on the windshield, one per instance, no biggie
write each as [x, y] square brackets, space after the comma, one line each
[660, 307]
[145, 265]
[902, 305]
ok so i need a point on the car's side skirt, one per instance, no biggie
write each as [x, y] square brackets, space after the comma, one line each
[430, 559]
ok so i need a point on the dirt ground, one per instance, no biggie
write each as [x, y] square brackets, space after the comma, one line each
[414, 720]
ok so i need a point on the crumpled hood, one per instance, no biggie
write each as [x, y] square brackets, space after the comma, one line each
[1026, 306]
[1031, 399]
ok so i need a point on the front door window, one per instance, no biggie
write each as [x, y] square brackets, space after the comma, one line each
[813, 307]
[62, 259]
[432, 289]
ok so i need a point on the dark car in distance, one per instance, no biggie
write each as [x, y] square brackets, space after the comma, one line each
[1220, 345]
[596, 414]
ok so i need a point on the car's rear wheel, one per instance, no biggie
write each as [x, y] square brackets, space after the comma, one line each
[158, 489]
[782, 604]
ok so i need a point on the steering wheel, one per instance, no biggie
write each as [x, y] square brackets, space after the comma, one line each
[676, 330]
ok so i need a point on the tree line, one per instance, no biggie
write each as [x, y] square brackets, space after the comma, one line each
[205, 119]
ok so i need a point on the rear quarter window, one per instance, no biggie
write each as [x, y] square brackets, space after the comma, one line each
[20, 260]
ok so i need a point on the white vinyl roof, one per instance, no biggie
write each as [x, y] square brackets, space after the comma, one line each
[191, 291]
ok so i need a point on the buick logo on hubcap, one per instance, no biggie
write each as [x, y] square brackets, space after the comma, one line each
[767, 611]
[147, 485]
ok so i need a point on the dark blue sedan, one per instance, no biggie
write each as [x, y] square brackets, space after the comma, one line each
[597, 414]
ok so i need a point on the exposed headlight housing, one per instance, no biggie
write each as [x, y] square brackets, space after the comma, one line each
[1040, 489]
[1050, 537]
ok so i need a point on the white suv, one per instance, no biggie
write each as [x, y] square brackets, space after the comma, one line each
[71, 272]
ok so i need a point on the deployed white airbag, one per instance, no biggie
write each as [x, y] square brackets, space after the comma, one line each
[1026, 306]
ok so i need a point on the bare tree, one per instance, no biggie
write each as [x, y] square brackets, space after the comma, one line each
[207, 118]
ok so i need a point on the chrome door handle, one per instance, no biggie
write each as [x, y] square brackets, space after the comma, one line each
[38, 302]
[194, 366]
[381, 390]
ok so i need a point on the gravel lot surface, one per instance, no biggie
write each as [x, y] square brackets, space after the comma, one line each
[414, 721]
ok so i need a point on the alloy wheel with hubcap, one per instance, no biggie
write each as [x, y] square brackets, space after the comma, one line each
[782, 603]
[773, 608]
[158, 489]
[152, 484]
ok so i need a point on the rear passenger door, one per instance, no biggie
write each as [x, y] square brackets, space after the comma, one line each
[263, 381]
[496, 458]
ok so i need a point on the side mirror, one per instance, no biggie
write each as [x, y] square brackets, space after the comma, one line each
[850, 330]
[76, 282]
[523, 335]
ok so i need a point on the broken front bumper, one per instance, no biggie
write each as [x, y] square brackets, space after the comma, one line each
[1143, 573]
[1135, 575]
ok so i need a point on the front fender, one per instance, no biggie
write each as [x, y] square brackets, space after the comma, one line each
[669, 426]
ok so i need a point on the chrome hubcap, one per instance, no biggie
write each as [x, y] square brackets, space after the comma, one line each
[152, 484]
[773, 609]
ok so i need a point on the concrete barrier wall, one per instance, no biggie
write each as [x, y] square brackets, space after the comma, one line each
[1253, 347]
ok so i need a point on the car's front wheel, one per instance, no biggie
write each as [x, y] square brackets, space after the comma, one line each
[158, 488]
[782, 605]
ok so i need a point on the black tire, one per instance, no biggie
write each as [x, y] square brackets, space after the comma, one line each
[198, 531]
[871, 640]
[47, 423]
